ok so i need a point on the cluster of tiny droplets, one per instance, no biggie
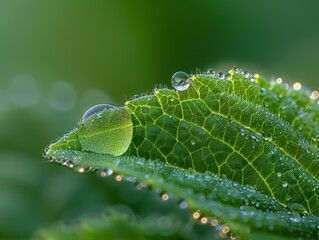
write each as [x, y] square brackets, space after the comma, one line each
[181, 80]
[120, 177]
[70, 164]
[228, 75]
[211, 73]
[223, 230]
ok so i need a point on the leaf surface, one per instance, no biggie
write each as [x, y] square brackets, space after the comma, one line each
[243, 150]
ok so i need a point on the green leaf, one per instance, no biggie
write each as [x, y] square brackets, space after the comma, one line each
[241, 150]
[111, 224]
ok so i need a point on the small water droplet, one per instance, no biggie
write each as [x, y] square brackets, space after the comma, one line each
[204, 220]
[228, 76]
[95, 109]
[284, 184]
[245, 73]
[211, 72]
[278, 80]
[70, 164]
[183, 205]
[193, 142]
[164, 196]
[196, 215]
[279, 174]
[141, 185]
[119, 178]
[221, 75]
[80, 169]
[297, 85]
[253, 137]
[181, 81]
[236, 69]
[106, 172]
[268, 138]
[314, 95]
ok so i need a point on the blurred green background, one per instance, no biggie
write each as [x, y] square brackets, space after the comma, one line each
[57, 58]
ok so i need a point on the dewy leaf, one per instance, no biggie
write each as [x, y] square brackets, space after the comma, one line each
[234, 146]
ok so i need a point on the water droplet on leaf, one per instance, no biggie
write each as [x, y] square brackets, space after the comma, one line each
[106, 172]
[95, 109]
[183, 205]
[221, 75]
[211, 72]
[245, 73]
[181, 81]
[98, 126]
[284, 184]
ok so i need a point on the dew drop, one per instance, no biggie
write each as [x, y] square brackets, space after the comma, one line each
[268, 138]
[214, 222]
[221, 75]
[196, 215]
[245, 73]
[106, 172]
[142, 185]
[181, 81]
[236, 69]
[70, 164]
[164, 196]
[119, 178]
[211, 72]
[314, 95]
[279, 174]
[284, 184]
[204, 220]
[193, 142]
[278, 80]
[296, 86]
[183, 205]
[80, 169]
[228, 76]
[95, 109]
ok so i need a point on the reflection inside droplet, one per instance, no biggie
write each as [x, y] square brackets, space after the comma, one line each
[23, 91]
[181, 81]
[62, 96]
[95, 109]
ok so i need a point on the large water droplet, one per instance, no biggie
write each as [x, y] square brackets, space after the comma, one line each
[181, 81]
[95, 109]
[109, 130]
